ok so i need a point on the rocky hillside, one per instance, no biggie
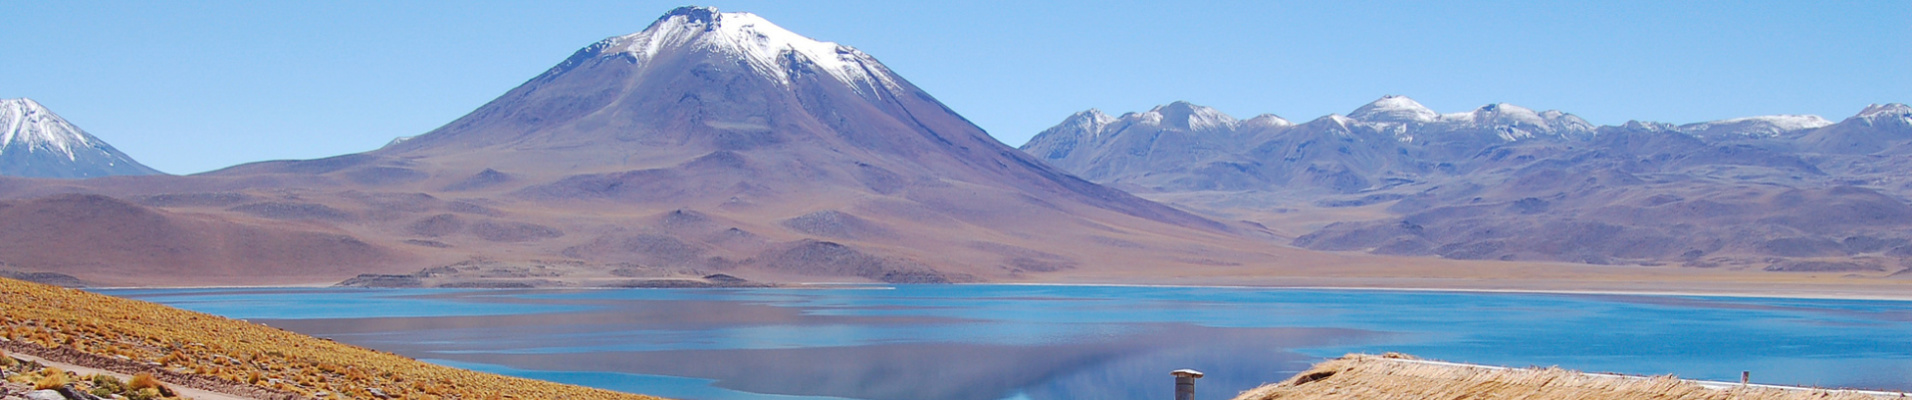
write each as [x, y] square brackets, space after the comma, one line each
[231, 357]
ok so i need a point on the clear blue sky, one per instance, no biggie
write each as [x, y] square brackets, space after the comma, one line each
[193, 87]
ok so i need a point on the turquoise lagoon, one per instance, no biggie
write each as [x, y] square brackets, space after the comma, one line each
[988, 342]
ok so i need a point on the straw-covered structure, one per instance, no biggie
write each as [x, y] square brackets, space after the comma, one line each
[1394, 376]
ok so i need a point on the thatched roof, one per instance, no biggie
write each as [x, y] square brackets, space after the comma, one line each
[1393, 376]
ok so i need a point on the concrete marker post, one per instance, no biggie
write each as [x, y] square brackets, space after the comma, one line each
[1185, 383]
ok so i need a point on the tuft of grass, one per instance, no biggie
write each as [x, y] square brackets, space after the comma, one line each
[51, 378]
[143, 394]
[105, 386]
[143, 381]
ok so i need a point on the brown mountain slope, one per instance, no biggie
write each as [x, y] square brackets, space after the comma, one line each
[115, 242]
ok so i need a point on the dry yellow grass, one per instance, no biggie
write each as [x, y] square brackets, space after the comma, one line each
[1367, 377]
[62, 321]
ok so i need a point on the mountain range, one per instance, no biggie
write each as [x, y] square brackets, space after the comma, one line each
[707, 144]
[1504, 182]
[716, 148]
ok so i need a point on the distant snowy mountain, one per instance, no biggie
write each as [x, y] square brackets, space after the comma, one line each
[1182, 146]
[1877, 128]
[1764, 126]
[1504, 182]
[36, 143]
[1393, 108]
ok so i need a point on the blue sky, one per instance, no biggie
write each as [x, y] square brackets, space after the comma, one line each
[187, 88]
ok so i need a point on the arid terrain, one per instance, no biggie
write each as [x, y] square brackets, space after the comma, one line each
[1789, 194]
[703, 145]
[231, 359]
[717, 149]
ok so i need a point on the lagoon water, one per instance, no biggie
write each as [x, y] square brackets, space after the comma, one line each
[988, 342]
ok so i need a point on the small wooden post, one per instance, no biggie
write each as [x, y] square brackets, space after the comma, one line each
[1745, 377]
[1185, 383]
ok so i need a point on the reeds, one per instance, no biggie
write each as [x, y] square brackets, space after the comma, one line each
[1368, 377]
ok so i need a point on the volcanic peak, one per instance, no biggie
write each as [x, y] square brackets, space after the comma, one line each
[1091, 120]
[35, 142]
[1878, 113]
[35, 128]
[773, 51]
[1188, 116]
[1394, 108]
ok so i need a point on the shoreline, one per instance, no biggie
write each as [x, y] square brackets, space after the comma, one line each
[1801, 293]
[1577, 292]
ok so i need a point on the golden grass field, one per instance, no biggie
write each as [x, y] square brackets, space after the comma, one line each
[210, 351]
[1368, 377]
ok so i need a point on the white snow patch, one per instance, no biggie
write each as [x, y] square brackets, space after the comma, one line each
[756, 41]
[1886, 109]
[1092, 122]
[1784, 122]
[1267, 120]
[1759, 126]
[1890, 112]
[1191, 117]
[1509, 122]
[1337, 124]
[31, 126]
[1394, 108]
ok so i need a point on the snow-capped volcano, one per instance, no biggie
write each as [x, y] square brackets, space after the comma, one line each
[1508, 122]
[35, 142]
[1511, 122]
[732, 116]
[1764, 126]
[1394, 108]
[1894, 113]
[1187, 116]
[769, 49]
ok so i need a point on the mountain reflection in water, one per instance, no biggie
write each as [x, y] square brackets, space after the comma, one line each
[993, 342]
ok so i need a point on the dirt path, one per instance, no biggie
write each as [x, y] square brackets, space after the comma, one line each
[183, 390]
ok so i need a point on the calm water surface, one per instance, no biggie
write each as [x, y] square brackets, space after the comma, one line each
[989, 342]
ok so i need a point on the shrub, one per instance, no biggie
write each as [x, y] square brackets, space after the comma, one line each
[52, 378]
[5, 360]
[108, 383]
[144, 381]
[143, 394]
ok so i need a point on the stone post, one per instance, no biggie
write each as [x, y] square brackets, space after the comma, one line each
[1185, 383]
